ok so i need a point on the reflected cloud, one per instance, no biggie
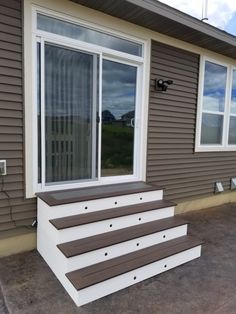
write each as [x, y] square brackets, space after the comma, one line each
[78, 32]
[233, 95]
[214, 87]
[119, 88]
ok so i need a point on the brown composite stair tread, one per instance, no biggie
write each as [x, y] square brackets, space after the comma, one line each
[88, 244]
[81, 219]
[96, 273]
[53, 198]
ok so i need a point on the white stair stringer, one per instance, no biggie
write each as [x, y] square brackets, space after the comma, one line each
[56, 262]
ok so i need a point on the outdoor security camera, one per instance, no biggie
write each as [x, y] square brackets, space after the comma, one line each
[163, 84]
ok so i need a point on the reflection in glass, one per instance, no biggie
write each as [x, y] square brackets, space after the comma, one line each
[232, 130]
[212, 126]
[78, 32]
[214, 87]
[118, 116]
[69, 114]
[233, 95]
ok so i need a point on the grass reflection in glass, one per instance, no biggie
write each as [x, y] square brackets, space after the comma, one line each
[117, 149]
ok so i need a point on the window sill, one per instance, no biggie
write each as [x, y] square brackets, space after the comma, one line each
[202, 149]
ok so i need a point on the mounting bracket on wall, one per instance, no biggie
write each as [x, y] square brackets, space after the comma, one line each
[232, 183]
[3, 167]
[163, 85]
[218, 187]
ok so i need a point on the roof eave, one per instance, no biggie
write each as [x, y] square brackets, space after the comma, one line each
[161, 18]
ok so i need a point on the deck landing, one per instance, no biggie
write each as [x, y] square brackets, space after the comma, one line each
[53, 198]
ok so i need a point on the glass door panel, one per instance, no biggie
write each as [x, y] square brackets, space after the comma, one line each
[118, 118]
[70, 115]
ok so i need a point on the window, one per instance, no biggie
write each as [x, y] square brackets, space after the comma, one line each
[79, 32]
[216, 127]
[88, 99]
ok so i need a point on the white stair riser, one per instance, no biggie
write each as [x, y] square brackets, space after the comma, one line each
[87, 230]
[125, 280]
[116, 250]
[59, 211]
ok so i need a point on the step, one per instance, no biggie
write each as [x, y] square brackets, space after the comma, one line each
[103, 226]
[81, 219]
[53, 257]
[92, 275]
[104, 253]
[53, 198]
[81, 246]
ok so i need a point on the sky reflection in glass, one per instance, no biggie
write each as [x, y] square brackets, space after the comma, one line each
[85, 34]
[214, 87]
[233, 95]
[118, 88]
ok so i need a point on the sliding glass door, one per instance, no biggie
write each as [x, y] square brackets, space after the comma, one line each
[87, 116]
[69, 120]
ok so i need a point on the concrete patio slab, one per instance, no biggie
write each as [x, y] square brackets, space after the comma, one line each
[205, 285]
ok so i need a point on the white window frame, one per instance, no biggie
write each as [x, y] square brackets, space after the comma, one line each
[233, 68]
[224, 146]
[105, 53]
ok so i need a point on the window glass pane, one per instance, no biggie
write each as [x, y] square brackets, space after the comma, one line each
[70, 114]
[233, 97]
[212, 126]
[118, 116]
[78, 32]
[214, 87]
[232, 130]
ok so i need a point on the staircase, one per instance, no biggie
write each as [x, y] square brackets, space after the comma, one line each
[100, 240]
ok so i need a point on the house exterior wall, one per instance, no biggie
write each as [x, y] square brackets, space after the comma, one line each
[171, 159]
[13, 205]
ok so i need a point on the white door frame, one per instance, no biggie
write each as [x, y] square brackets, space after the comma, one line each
[139, 110]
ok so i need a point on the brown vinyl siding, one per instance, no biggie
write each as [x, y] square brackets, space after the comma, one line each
[171, 160]
[11, 120]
